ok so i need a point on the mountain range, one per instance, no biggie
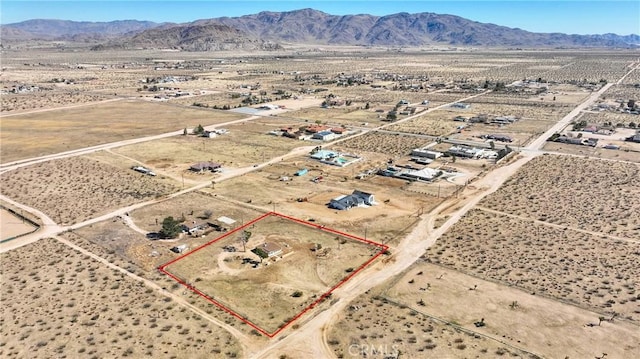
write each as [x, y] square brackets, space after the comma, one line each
[269, 30]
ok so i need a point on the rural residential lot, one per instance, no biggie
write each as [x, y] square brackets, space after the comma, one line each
[417, 203]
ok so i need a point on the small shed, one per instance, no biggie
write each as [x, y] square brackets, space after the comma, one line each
[302, 172]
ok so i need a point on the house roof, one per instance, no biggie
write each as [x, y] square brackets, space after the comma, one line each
[270, 247]
[205, 165]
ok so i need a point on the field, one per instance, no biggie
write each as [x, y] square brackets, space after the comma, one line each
[72, 190]
[246, 143]
[393, 145]
[78, 307]
[435, 123]
[589, 194]
[313, 260]
[13, 225]
[596, 273]
[628, 151]
[547, 262]
[67, 129]
[374, 325]
[513, 317]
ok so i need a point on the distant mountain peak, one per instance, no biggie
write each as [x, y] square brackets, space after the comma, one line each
[310, 26]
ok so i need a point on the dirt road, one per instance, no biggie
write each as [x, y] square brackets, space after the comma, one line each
[311, 335]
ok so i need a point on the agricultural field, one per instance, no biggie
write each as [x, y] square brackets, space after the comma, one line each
[78, 307]
[270, 293]
[67, 129]
[72, 190]
[589, 194]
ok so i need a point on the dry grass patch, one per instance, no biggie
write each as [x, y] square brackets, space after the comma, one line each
[67, 129]
[269, 295]
[544, 326]
[46, 99]
[242, 146]
[373, 324]
[392, 145]
[589, 194]
[593, 272]
[435, 123]
[77, 307]
[75, 189]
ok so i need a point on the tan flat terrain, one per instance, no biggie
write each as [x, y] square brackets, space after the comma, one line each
[565, 227]
[78, 127]
[12, 225]
[90, 310]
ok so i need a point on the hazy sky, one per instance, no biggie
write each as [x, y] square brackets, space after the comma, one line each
[568, 16]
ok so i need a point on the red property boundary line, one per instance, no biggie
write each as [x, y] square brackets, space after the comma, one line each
[324, 296]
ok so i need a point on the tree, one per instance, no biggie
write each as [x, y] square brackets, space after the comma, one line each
[492, 145]
[198, 130]
[366, 106]
[170, 228]
[244, 238]
[207, 214]
[184, 132]
[297, 294]
[632, 125]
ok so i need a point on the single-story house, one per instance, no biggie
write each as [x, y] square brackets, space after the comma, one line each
[316, 128]
[271, 249]
[194, 227]
[425, 174]
[324, 135]
[425, 152]
[205, 166]
[356, 199]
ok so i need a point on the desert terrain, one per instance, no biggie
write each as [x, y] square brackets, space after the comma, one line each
[538, 244]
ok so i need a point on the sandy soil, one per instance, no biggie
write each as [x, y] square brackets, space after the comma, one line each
[444, 74]
[77, 307]
[579, 194]
[74, 189]
[12, 225]
[540, 325]
[100, 123]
